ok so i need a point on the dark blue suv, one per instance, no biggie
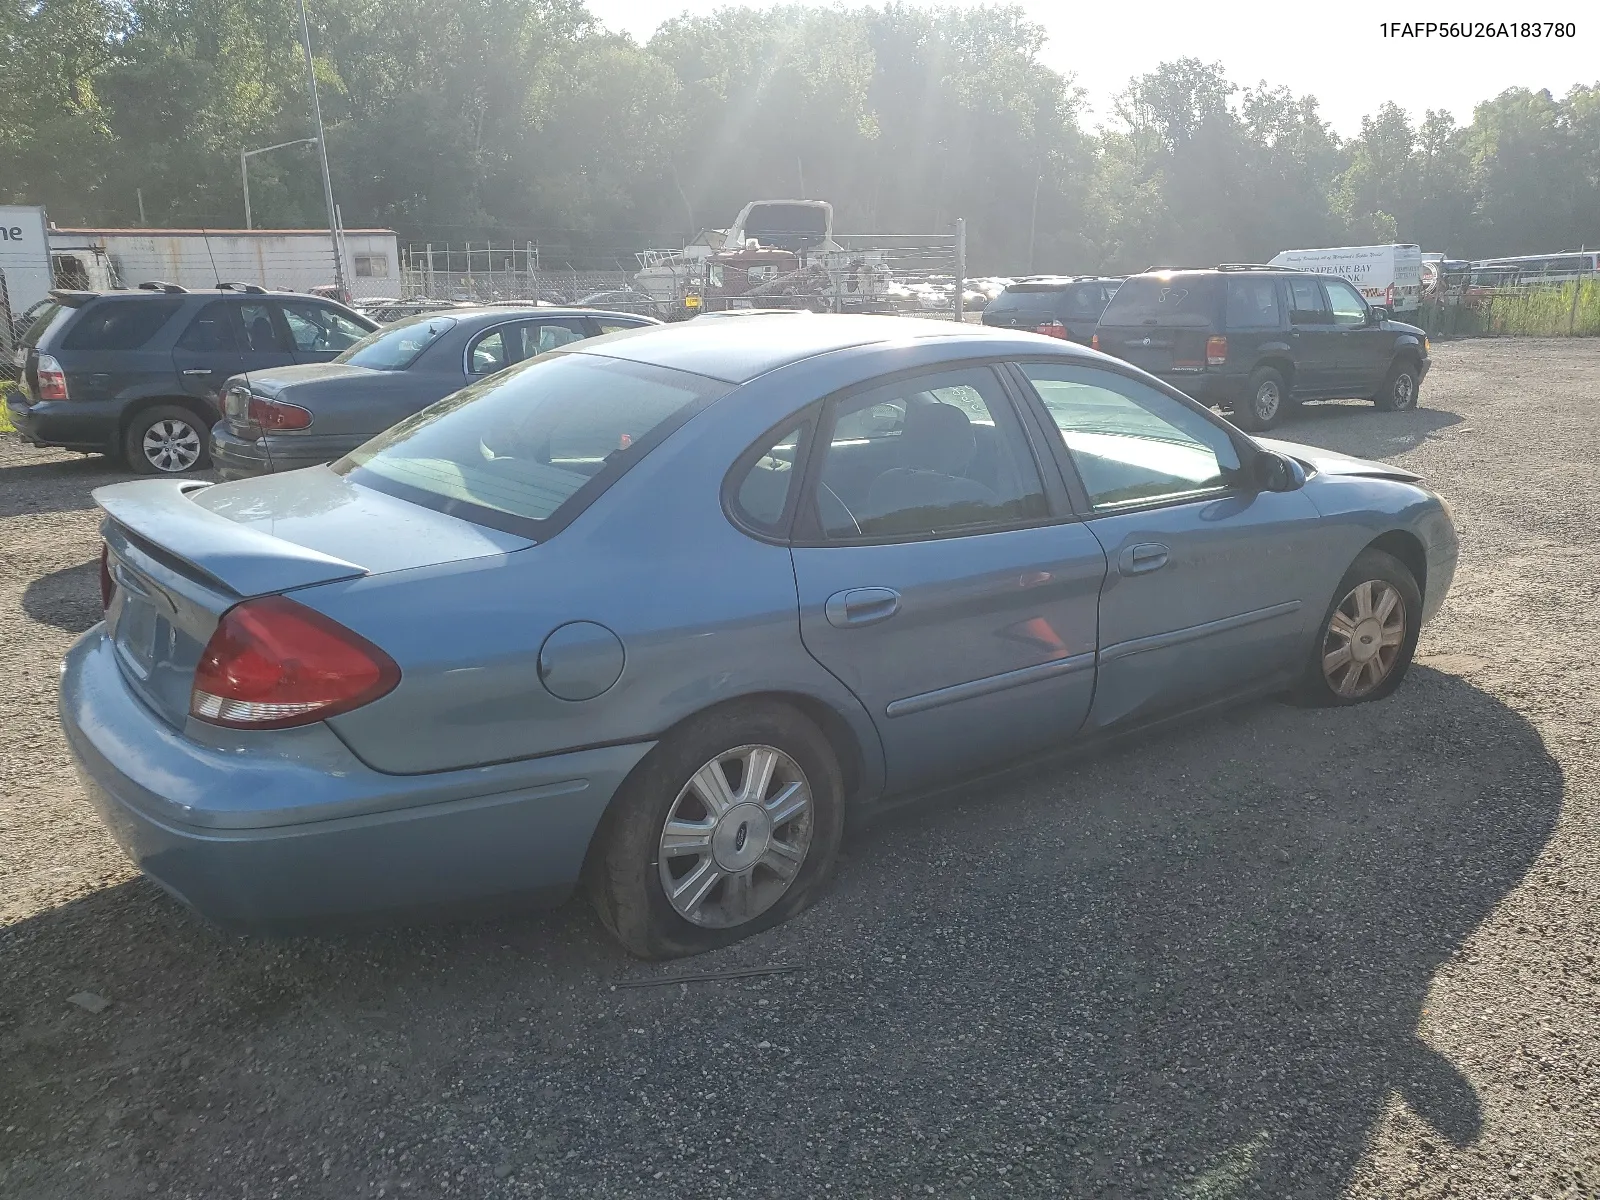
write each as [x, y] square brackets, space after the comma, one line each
[136, 374]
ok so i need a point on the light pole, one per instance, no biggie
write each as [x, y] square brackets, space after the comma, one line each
[322, 149]
[244, 174]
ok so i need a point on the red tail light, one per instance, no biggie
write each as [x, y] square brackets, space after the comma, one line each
[1094, 341]
[1216, 351]
[52, 379]
[1053, 329]
[274, 414]
[273, 663]
[107, 586]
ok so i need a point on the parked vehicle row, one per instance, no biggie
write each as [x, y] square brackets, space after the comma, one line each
[659, 612]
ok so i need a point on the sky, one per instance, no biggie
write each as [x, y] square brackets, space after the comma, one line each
[1334, 49]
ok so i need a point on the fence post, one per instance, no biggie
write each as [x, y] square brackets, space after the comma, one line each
[961, 268]
[428, 277]
[1572, 317]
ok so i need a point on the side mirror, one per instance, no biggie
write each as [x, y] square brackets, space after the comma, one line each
[1274, 472]
[1378, 314]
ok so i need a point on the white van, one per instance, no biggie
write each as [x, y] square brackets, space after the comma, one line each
[1386, 275]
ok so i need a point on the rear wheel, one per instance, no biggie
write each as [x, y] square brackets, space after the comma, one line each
[728, 827]
[1399, 391]
[1369, 634]
[166, 440]
[1264, 402]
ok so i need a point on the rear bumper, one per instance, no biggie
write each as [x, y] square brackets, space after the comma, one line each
[255, 838]
[1213, 388]
[235, 457]
[74, 424]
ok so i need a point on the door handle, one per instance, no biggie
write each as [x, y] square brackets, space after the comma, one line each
[861, 606]
[1146, 556]
[199, 371]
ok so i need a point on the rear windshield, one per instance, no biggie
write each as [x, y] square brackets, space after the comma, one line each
[1082, 300]
[395, 347]
[1176, 300]
[120, 324]
[527, 449]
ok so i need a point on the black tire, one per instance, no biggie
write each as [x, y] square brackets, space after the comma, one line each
[1400, 388]
[186, 435]
[623, 876]
[1265, 401]
[1371, 567]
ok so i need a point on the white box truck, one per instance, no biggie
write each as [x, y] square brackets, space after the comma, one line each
[24, 263]
[1386, 275]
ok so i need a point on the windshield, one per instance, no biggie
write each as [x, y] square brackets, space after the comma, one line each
[1176, 300]
[395, 347]
[532, 445]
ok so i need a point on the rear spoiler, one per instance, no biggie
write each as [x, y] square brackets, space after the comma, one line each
[244, 560]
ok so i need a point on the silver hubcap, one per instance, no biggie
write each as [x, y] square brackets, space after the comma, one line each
[736, 837]
[1267, 400]
[1405, 390]
[171, 445]
[1364, 638]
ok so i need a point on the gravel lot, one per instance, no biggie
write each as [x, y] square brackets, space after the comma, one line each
[1280, 953]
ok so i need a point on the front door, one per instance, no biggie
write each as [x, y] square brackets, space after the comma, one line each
[319, 331]
[1211, 585]
[936, 582]
[1364, 345]
[1314, 337]
[227, 338]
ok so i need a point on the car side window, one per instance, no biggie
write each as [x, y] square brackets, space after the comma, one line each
[1253, 304]
[540, 336]
[1347, 305]
[761, 497]
[1131, 444]
[490, 353]
[608, 326]
[260, 330]
[1306, 305]
[933, 455]
[317, 327]
[211, 331]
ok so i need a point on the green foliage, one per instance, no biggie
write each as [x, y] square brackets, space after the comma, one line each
[1545, 312]
[456, 119]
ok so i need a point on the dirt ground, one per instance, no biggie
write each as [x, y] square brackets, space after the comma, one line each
[1281, 953]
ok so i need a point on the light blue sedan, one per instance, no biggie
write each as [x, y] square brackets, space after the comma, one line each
[660, 612]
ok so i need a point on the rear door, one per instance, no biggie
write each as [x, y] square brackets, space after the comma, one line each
[941, 585]
[211, 349]
[318, 332]
[1365, 346]
[1313, 336]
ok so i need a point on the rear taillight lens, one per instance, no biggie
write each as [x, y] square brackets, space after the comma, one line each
[1094, 341]
[107, 586]
[1053, 329]
[1216, 351]
[273, 663]
[52, 379]
[274, 414]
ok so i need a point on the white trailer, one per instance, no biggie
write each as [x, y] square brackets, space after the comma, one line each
[1386, 275]
[24, 262]
[290, 259]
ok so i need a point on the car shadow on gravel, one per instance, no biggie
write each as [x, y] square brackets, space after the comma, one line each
[68, 599]
[56, 485]
[1356, 428]
[1196, 966]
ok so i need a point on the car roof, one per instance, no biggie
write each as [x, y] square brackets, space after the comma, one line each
[1039, 282]
[738, 351]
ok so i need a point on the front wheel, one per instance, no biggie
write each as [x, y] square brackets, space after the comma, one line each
[1369, 634]
[1399, 391]
[1263, 404]
[728, 827]
[167, 440]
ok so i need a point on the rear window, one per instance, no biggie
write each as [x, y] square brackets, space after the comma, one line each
[1081, 300]
[1253, 304]
[395, 347]
[528, 449]
[120, 324]
[1174, 300]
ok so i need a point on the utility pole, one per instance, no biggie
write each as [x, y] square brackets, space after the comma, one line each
[322, 151]
[961, 268]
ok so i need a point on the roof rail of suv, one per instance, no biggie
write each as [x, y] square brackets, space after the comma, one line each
[1251, 267]
[253, 289]
[156, 285]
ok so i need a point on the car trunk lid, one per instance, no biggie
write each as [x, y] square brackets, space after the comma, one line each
[182, 553]
[1161, 322]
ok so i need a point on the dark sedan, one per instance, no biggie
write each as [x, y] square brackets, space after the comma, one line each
[291, 417]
